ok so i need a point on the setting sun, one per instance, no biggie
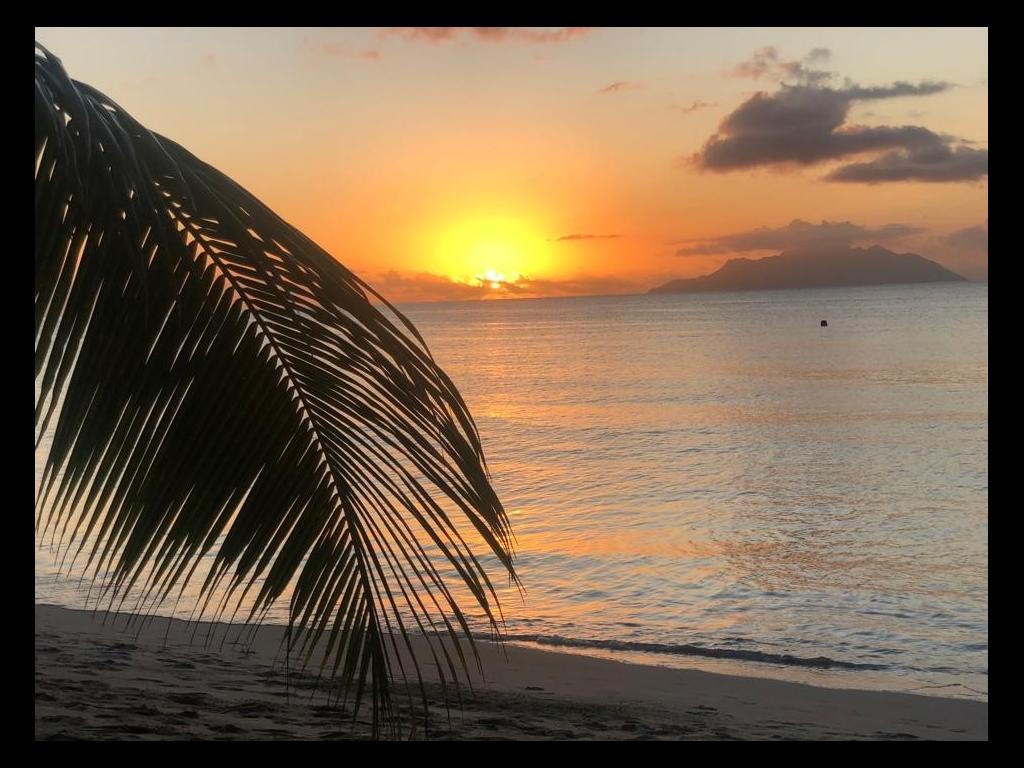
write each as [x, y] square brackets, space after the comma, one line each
[491, 251]
[495, 279]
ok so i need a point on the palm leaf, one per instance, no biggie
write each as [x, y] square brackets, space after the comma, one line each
[234, 419]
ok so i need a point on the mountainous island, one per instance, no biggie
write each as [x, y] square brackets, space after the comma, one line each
[816, 269]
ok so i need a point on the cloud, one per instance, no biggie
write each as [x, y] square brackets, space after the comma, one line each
[584, 237]
[489, 34]
[934, 160]
[621, 85]
[806, 124]
[338, 51]
[796, 235]
[818, 54]
[709, 248]
[970, 239]
[694, 106]
[766, 63]
[412, 287]
[964, 251]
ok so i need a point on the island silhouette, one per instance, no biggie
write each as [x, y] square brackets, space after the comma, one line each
[816, 268]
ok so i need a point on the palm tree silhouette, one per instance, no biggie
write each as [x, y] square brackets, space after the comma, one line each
[234, 421]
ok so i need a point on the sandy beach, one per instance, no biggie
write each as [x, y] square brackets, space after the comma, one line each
[94, 680]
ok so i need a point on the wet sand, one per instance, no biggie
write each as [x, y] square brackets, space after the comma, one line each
[95, 680]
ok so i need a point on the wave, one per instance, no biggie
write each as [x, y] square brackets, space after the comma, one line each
[816, 662]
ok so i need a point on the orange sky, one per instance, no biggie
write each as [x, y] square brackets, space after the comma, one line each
[459, 163]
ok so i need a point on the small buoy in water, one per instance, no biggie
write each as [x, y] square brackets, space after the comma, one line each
[824, 323]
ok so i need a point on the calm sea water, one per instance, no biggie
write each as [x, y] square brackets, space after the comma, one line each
[717, 481]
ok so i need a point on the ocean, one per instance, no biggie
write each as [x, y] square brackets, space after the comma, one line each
[717, 481]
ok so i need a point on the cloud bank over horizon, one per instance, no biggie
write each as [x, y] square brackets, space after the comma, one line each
[970, 239]
[414, 287]
[798, 234]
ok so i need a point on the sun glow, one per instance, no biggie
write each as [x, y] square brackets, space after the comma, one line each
[496, 253]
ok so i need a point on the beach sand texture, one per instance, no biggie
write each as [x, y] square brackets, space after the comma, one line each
[94, 680]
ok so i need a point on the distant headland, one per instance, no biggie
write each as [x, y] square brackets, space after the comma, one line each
[816, 269]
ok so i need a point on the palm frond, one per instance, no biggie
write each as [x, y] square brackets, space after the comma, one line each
[233, 418]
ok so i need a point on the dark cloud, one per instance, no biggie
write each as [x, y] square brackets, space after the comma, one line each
[970, 239]
[489, 34]
[621, 85]
[935, 161]
[400, 287]
[694, 106]
[806, 124]
[584, 237]
[797, 235]
[894, 91]
[803, 125]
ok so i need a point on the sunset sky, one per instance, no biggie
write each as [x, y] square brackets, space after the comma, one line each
[460, 163]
